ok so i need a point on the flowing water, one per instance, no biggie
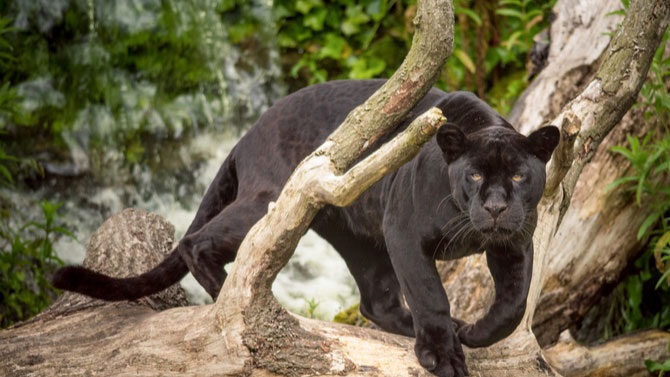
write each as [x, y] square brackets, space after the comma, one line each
[315, 273]
[183, 141]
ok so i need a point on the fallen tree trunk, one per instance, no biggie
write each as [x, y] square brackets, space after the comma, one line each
[131, 338]
[78, 335]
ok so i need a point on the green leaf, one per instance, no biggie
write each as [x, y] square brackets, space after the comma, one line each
[465, 59]
[509, 12]
[649, 221]
[663, 166]
[226, 5]
[355, 17]
[134, 151]
[64, 231]
[50, 211]
[512, 40]
[6, 174]
[35, 224]
[333, 47]
[376, 9]
[281, 11]
[616, 13]
[623, 151]
[662, 242]
[470, 13]
[366, 67]
[315, 19]
[304, 6]
[662, 279]
[654, 366]
[510, 2]
[620, 181]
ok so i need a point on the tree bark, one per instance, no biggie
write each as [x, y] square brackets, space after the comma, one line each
[621, 357]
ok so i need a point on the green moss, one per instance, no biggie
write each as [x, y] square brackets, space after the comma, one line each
[352, 316]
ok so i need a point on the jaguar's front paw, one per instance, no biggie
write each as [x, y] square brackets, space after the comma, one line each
[443, 358]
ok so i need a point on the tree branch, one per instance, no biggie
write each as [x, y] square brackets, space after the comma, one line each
[342, 190]
[593, 114]
[623, 356]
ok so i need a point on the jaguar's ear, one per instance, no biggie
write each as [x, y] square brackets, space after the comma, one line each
[451, 140]
[544, 141]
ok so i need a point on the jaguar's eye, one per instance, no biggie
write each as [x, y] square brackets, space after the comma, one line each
[517, 178]
[476, 177]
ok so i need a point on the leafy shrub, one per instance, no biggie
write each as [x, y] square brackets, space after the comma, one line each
[323, 40]
[27, 260]
[650, 160]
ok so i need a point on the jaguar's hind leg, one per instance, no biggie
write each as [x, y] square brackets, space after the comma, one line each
[381, 298]
[207, 250]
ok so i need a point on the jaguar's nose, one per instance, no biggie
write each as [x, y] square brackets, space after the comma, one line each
[495, 209]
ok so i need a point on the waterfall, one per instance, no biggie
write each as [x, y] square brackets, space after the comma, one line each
[182, 140]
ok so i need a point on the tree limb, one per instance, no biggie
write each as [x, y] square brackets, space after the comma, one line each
[620, 357]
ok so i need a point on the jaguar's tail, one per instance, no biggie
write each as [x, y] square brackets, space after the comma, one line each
[90, 283]
[94, 284]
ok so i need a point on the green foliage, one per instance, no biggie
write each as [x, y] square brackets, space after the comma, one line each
[650, 160]
[311, 307]
[323, 40]
[654, 366]
[27, 260]
[642, 300]
[636, 302]
[655, 90]
[492, 48]
[8, 96]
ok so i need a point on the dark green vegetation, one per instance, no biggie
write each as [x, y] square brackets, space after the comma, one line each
[26, 252]
[27, 259]
[642, 299]
[325, 40]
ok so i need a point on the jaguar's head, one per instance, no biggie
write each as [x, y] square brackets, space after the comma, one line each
[497, 176]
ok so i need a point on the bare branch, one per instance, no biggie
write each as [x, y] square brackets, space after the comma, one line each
[342, 190]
